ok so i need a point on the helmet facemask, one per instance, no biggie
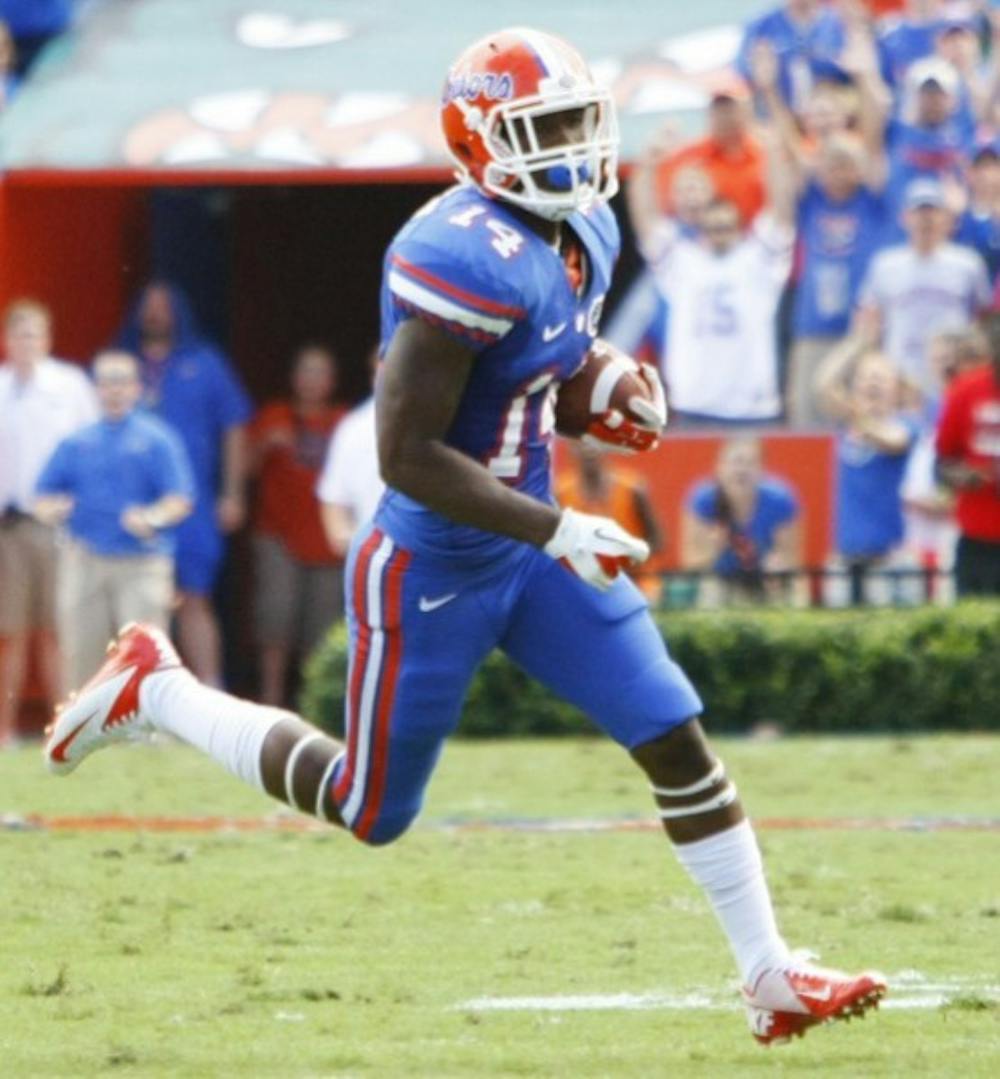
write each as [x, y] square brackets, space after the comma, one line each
[557, 180]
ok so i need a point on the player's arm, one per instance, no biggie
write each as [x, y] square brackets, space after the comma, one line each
[421, 382]
[420, 385]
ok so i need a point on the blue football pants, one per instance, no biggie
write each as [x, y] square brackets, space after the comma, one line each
[418, 631]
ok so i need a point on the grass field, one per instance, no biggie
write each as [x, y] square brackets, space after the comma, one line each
[301, 954]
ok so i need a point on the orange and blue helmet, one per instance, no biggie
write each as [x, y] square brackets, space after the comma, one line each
[493, 107]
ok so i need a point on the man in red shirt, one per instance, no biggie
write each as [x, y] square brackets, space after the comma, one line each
[298, 578]
[968, 449]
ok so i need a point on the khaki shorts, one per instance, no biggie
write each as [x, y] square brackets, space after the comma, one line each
[294, 603]
[97, 594]
[27, 576]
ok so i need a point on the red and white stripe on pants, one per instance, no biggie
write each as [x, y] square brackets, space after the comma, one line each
[377, 589]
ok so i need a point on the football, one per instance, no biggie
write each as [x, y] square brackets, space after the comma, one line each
[608, 378]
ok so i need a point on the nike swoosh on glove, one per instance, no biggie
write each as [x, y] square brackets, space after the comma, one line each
[613, 430]
[595, 548]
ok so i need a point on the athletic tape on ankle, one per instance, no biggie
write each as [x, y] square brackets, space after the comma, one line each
[293, 758]
[717, 801]
[718, 772]
[324, 783]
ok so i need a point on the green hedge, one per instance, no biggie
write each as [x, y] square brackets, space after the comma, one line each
[870, 670]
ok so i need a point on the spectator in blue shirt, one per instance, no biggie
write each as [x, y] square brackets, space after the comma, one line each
[807, 37]
[119, 486]
[190, 384]
[862, 392]
[841, 212]
[978, 225]
[929, 28]
[840, 219]
[930, 138]
[741, 525]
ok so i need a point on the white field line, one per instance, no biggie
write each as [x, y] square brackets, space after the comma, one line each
[908, 991]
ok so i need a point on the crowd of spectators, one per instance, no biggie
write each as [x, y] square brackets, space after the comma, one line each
[118, 493]
[819, 261]
[823, 260]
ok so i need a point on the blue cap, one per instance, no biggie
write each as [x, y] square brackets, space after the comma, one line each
[924, 192]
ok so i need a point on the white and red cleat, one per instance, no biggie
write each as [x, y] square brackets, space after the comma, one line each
[107, 708]
[785, 1003]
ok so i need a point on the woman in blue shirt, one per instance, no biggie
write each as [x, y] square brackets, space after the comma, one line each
[862, 391]
[742, 525]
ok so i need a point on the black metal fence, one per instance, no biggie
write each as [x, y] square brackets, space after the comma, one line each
[855, 585]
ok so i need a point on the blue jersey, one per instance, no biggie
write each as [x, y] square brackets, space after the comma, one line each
[836, 241]
[467, 264]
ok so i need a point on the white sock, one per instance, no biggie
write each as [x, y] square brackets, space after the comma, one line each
[231, 731]
[729, 868]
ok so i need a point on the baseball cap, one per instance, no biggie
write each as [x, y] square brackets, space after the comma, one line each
[924, 192]
[933, 70]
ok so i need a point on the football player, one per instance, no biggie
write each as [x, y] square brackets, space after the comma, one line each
[492, 295]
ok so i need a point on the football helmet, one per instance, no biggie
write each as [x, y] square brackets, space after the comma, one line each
[495, 112]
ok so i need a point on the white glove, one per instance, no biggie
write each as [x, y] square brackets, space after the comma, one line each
[594, 548]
